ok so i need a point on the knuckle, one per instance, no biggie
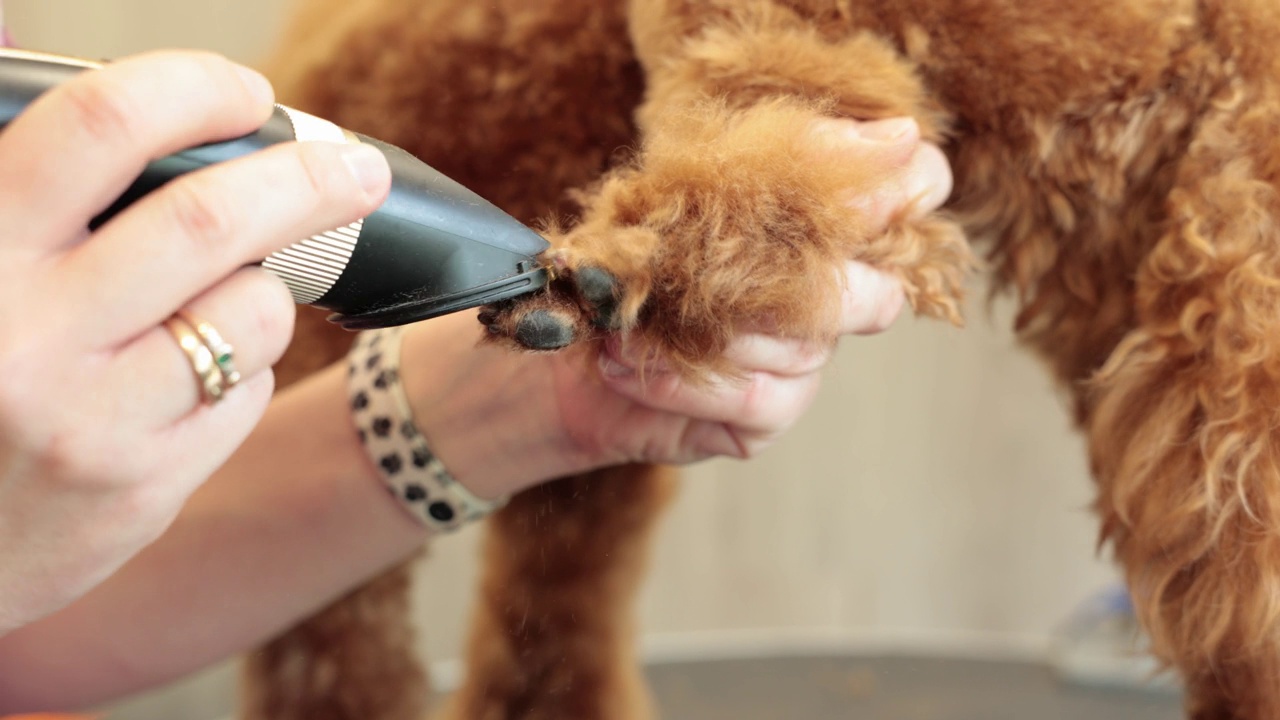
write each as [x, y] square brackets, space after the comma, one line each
[322, 172]
[807, 358]
[588, 439]
[199, 212]
[103, 110]
[77, 460]
[273, 312]
[592, 440]
[202, 69]
[755, 405]
[819, 359]
[218, 73]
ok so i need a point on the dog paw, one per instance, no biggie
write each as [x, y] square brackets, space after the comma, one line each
[728, 221]
[578, 305]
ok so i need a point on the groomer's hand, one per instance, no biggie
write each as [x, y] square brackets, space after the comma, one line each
[105, 429]
[504, 420]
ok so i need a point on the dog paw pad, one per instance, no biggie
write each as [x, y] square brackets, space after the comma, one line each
[600, 291]
[544, 330]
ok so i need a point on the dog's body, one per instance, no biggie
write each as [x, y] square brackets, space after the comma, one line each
[1116, 159]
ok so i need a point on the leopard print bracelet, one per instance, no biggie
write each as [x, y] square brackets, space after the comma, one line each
[398, 449]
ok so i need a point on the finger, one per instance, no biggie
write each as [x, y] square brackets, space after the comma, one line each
[888, 144]
[251, 310]
[203, 441]
[900, 131]
[871, 301]
[916, 176]
[711, 439]
[785, 357]
[761, 402]
[919, 187]
[198, 229]
[750, 352]
[77, 148]
[928, 181]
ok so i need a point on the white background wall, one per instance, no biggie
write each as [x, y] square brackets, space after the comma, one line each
[934, 497]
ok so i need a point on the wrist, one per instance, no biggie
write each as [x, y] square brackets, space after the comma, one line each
[491, 415]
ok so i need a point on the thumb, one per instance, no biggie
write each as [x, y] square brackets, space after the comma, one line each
[888, 143]
[891, 130]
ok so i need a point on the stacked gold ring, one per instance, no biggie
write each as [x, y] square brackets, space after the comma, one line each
[223, 353]
[212, 358]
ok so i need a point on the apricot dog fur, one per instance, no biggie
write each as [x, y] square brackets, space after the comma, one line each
[1116, 162]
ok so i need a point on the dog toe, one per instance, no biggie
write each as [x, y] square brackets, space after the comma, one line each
[600, 290]
[544, 330]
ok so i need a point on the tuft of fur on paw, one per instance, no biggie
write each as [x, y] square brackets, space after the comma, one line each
[932, 258]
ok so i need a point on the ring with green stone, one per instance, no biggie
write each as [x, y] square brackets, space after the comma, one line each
[223, 353]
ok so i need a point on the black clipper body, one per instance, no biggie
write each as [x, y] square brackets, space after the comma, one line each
[434, 247]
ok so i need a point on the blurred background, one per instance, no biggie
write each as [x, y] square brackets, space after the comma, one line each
[934, 502]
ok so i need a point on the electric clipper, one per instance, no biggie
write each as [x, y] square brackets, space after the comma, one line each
[433, 248]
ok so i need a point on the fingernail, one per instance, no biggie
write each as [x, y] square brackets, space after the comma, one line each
[888, 130]
[258, 85]
[835, 128]
[930, 180]
[368, 166]
[723, 443]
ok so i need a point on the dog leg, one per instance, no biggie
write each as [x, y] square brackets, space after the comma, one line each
[552, 635]
[1184, 427]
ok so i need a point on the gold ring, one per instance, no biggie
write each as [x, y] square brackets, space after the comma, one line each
[223, 354]
[212, 383]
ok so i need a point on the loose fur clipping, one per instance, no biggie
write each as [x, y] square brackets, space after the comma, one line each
[1117, 162]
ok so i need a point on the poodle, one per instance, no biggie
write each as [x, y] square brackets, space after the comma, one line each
[1116, 166]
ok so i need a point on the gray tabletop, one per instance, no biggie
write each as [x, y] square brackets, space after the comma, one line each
[891, 689]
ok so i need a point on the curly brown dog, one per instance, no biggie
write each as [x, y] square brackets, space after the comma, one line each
[1117, 161]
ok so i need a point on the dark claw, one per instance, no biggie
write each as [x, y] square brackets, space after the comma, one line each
[600, 290]
[544, 330]
[490, 315]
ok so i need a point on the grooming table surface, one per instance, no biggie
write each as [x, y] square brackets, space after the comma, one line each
[891, 689]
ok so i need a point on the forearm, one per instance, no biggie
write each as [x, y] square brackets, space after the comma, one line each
[295, 519]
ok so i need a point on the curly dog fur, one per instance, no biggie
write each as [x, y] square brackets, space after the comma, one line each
[1116, 162]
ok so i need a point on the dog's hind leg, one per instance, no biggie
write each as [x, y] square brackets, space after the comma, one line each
[1184, 422]
[552, 635]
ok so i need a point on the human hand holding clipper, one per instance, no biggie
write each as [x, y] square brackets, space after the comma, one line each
[103, 433]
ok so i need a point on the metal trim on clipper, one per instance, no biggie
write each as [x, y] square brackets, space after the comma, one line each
[311, 267]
